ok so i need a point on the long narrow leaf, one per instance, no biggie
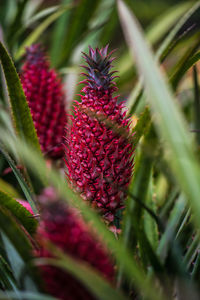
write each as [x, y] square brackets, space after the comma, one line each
[39, 30]
[20, 111]
[166, 47]
[169, 120]
[25, 296]
[24, 186]
[16, 236]
[20, 212]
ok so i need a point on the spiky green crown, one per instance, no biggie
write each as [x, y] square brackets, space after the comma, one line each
[98, 68]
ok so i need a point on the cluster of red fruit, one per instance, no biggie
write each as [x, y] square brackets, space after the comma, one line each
[98, 160]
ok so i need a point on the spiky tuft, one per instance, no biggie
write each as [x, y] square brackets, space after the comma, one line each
[98, 67]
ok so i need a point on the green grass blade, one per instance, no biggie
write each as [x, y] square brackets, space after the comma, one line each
[196, 104]
[32, 19]
[169, 120]
[17, 22]
[9, 189]
[192, 251]
[171, 40]
[40, 15]
[6, 276]
[59, 32]
[163, 51]
[19, 212]
[18, 248]
[196, 269]
[150, 227]
[171, 229]
[32, 38]
[84, 11]
[20, 111]
[185, 65]
[25, 296]
[24, 186]
[15, 235]
[161, 25]
[142, 126]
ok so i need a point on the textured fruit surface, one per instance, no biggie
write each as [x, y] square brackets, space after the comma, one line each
[65, 228]
[43, 90]
[99, 161]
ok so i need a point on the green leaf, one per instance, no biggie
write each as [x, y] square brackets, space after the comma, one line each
[16, 243]
[14, 233]
[20, 212]
[59, 32]
[20, 111]
[6, 276]
[17, 22]
[14, 259]
[25, 296]
[159, 28]
[169, 249]
[171, 40]
[32, 38]
[184, 66]
[196, 104]
[32, 19]
[132, 227]
[192, 251]
[24, 186]
[40, 15]
[171, 229]
[9, 189]
[150, 226]
[142, 126]
[161, 25]
[163, 51]
[84, 11]
[169, 120]
[18, 247]
[196, 269]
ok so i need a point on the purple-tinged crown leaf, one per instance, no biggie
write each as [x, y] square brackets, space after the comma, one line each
[98, 68]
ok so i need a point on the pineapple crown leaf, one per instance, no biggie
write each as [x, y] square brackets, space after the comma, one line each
[98, 68]
[35, 54]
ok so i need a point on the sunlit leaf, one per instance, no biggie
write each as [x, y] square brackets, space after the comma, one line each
[169, 121]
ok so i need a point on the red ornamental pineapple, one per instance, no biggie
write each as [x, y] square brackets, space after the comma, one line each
[65, 228]
[43, 90]
[99, 161]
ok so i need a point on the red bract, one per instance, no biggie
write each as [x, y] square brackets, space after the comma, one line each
[43, 90]
[98, 159]
[65, 228]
